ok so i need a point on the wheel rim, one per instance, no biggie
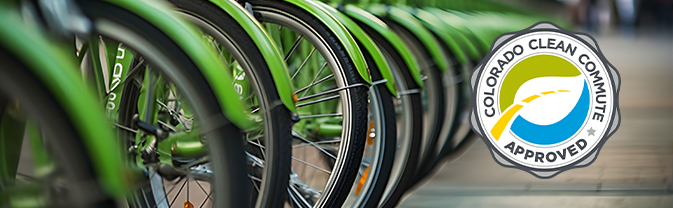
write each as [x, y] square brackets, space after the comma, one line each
[258, 158]
[304, 180]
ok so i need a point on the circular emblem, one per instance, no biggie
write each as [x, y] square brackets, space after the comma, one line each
[545, 100]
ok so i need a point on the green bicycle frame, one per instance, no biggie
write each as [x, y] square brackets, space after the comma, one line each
[189, 39]
[55, 68]
[368, 44]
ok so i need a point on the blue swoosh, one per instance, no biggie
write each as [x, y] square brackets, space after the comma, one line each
[556, 132]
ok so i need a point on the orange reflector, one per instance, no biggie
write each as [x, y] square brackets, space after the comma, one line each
[295, 98]
[362, 182]
[188, 205]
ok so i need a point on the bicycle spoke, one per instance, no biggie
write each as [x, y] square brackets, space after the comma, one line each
[297, 135]
[318, 101]
[294, 194]
[256, 144]
[173, 114]
[303, 63]
[321, 115]
[311, 165]
[294, 47]
[177, 194]
[204, 201]
[167, 126]
[252, 95]
[318, 142]
[125, 128]
[133, 71]
[330, 91]
[253, 182]
[314, 78]
[260, 145]
[169, 191]
[305, 89]
[256, 160]
[216, 45]
[202, 189]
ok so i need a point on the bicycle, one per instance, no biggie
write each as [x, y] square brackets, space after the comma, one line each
[73, 152]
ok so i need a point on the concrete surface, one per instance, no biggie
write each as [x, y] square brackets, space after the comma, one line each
[634, 168]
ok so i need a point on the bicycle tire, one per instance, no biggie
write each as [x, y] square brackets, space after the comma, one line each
[434, 105]
[211, 19]
[62, 138]
[226, 154]
[355, 127]
[370, 190]
[410, 124]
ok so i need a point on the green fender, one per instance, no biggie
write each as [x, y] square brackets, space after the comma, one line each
[186, 36]
[368, 45]
[266, 45]
[382, 28]
[341, 32]
[407, 20]
[463, 40]
[464, 32]
[482, 33]
[56, 68]
[440, 29]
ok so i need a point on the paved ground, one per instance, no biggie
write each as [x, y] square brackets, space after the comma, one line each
[634, 169]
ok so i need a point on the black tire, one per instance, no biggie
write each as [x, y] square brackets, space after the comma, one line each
[406, 84]
[278, 136]
[226, 151]
[62, 139]
[434, 108]
[385, 132]
[355, 119]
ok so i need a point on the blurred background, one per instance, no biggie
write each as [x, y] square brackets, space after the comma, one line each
[635, 166]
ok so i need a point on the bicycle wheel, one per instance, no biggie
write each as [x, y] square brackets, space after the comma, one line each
[52, 166]
[409, 118]
[434, 106]
[453, 80]
[165, 90]
[271, 143]
[332, 104]
[379, 154]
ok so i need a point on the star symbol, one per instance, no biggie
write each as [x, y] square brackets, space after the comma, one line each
[591, 131]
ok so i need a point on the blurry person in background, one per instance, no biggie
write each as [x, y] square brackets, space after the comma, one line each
[592, 15]
[626, 9]
[654, 15]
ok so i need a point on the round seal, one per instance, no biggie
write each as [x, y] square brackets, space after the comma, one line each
[545, 100]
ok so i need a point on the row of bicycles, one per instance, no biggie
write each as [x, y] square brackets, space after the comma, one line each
[225, 103]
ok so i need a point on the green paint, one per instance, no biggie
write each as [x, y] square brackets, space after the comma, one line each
[54, 66]
[11, 138]
[186, 35]
[441, 30]
[116, 74]
[531, 68]
[373, 22]
[368, 45]
[340, 31]
[267, 46]
[412, 24]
